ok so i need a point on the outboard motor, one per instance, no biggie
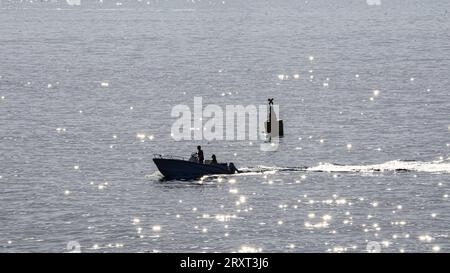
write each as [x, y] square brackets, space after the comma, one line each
[232, 168]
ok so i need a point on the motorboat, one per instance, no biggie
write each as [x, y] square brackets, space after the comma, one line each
[173, 167]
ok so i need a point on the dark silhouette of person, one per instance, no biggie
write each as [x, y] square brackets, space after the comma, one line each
[214, 160]
[200, 155]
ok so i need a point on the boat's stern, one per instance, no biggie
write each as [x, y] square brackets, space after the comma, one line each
[232, 168]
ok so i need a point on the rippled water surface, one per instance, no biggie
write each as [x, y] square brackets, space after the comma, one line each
[86, 99]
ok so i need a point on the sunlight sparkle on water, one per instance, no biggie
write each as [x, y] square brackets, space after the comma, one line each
[249, 249]
[60, 130]
[425, 238]
[156, 228]
[224, 217]
[141, 136]
[318, 225]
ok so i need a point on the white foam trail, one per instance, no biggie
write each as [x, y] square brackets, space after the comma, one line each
[259, 170]
[438, 166]
[253, 172]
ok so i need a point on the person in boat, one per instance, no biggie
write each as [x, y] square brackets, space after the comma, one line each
[213, 160]
[200, 155]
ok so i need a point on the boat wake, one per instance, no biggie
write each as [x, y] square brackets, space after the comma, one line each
[267, 170]
[395, 166]
[437, 166]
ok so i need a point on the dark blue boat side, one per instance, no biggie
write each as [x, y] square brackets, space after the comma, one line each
[179, 168]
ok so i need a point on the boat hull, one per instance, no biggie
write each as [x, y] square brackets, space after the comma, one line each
[175, 168]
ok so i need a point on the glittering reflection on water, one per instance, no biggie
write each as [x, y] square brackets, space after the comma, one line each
[344, 219]
[78, 130]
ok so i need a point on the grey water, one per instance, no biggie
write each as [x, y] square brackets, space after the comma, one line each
[86, 98]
